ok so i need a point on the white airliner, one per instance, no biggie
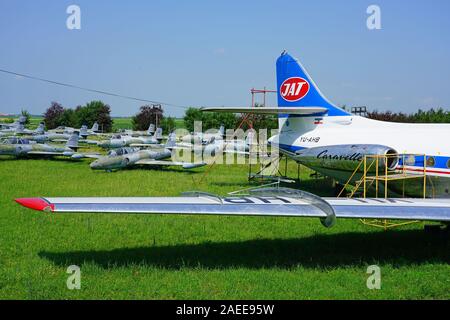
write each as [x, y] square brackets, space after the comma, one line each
[325, 138]
[316, 133]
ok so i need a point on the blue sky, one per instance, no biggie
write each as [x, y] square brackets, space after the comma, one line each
[210, 53]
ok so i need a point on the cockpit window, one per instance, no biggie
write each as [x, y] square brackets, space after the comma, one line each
[16, 141]
[118, 152]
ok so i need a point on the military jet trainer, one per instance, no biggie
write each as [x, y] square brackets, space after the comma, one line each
[204, 138]
[12, 126]
[150, 131]
[126, 157]
[119, 141]
[21, 148]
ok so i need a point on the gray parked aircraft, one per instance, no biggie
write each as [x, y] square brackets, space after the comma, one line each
[119, 141]
[204, 138]
[19, 147]
[126, 157]
[150, 131]
[14, 125]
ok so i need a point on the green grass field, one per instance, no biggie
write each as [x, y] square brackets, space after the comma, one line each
[194, 257]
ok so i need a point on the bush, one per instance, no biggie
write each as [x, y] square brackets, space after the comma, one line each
[52, 117]
[147, 115]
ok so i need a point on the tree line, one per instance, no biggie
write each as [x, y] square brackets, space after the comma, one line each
[97, 111]
[430, 116]
[94, 111]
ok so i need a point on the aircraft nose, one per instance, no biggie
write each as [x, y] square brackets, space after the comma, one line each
[102, 145]
[95, 165]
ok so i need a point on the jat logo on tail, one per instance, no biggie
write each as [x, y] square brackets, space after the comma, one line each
[294, 89]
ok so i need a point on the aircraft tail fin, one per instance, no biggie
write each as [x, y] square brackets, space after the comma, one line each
[20, 128]
[83, 131]
[158, 134]
[297, 89]
[171, 141]
[40, 128]
[22, 119]
[151, 129]
[72, 143]
[95, 127]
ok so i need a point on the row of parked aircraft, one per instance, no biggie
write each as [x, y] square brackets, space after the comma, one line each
[129, 148]
[314, 132]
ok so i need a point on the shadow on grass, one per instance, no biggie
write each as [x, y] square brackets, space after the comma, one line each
[397, 248]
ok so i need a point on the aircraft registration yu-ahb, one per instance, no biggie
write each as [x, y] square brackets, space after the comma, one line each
[323, 137]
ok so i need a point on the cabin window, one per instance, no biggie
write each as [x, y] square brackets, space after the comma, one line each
[448, 164]
[431, 162]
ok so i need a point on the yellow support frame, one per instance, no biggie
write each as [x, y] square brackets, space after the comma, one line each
[386, 177]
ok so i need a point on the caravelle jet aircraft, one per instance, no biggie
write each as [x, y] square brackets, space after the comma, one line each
[324, 137]
[126, 157]
[328, 139]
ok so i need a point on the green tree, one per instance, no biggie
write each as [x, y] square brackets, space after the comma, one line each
[168, 124]
[190, 116]
[94, 111]
[210, 120]
[68, 118]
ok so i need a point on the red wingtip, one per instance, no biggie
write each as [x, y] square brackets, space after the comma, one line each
[36, 204]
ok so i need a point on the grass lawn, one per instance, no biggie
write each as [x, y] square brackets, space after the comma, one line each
[195, 257]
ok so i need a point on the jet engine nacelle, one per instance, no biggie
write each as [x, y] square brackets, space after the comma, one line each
[348, 157]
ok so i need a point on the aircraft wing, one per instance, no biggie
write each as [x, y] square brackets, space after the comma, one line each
[269, 110]
[147, 145]
[86, 155]
[244, 153]
[45, 153]
[185, 165]
[274, 202]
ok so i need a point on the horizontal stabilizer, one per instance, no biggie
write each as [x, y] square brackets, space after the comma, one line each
[147, 145]
[269, 110]
[186, 165]
[48, 153]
